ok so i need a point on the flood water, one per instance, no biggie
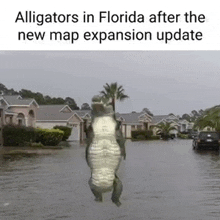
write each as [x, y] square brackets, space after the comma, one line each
[162, 180]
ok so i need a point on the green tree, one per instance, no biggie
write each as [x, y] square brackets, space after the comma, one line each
[71, 102]
[210, 117]
[113, 92]
[147, 111]
[85, 106]
[186, 117]
[164, 129]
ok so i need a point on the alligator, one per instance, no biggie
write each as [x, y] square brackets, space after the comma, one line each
[104, 151]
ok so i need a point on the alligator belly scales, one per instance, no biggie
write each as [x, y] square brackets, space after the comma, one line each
[104, 157]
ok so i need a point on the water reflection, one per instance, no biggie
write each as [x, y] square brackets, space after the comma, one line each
[162, 180]
[209, 174]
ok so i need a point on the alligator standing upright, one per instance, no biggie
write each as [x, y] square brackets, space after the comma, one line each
[105, 148]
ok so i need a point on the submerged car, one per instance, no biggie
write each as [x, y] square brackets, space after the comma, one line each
[206, 140]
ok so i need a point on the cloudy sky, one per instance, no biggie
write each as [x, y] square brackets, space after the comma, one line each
[163, 81]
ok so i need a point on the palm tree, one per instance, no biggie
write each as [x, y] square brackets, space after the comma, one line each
[164, 129]
[210, 117]
[113, 92]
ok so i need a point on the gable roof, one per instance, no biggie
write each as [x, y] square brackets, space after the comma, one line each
[83, 113]
[132, 118]
[66, 108]
[54, 113]
[158, 118]
[16, 100]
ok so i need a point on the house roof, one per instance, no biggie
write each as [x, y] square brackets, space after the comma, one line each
[83, 113]
[55, 113]
[16, 100]
[131, 118]
[158, 118]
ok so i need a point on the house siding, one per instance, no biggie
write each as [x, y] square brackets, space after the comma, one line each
[28, 121]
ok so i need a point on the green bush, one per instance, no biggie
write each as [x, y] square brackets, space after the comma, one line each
[14, 135]
[49, 137]
[183, 136]
[154, 137]
[67, 131]
[141, 134]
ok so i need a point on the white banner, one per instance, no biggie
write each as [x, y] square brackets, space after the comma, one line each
[109, 25]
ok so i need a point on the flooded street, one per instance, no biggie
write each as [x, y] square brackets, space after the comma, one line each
[164, 180]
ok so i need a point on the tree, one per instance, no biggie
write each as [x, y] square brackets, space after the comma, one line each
[71, 102]
[194, 115]
[85, 106]
[113, 92]
[147, 111]
[209, 118]
[164, 129]
[186, 117]
[201, 112]
[3, 88]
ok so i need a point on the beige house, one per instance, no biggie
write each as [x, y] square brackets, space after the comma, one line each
[49, 116]
[2, 122]
[16, 110]
[140, 121]
[134, 121]
[171, 118]
[19, 111]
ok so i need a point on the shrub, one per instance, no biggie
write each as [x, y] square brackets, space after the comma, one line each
[182, 136]
[66, 130]
[141, 134]
[49, 137]
[14, 135]
[154, 137]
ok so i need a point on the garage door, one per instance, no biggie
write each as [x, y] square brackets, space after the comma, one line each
[75, 133]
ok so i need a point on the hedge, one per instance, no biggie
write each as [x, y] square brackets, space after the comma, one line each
[49, 137]
[183, 136]
[67, 131]
[14, 135]
[154, 137]
[141, 134]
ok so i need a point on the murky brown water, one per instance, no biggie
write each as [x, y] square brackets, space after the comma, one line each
[162, 180]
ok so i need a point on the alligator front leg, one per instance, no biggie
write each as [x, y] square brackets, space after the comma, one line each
[117, 190]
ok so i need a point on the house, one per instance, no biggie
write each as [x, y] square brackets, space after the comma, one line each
[185, 126]
[171, 118]
[16, 110]
[49, 116]
[142, 120]
[134, 121]
[2, 113]
[19, 111]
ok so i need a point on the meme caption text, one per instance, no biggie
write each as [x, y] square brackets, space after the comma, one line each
[138, 26]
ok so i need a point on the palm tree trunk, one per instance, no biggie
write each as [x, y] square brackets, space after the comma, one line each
[113, 104]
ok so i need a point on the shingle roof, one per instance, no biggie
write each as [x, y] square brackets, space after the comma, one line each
[130, 118]
[16, 100]
[158, 118]
[52, 113]
[133, 118]
[82, 113]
